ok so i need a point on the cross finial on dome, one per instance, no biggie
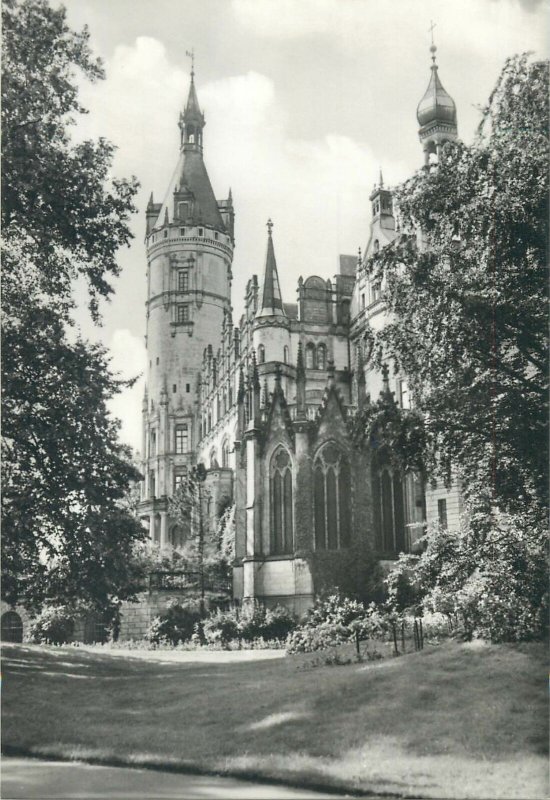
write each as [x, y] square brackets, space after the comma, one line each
[269, 226]
[433, 48]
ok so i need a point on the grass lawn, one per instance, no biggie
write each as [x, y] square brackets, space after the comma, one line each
[456, 720]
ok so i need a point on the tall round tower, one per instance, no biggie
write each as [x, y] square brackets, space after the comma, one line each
[189, 243]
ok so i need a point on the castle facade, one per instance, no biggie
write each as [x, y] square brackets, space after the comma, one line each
[267, 403]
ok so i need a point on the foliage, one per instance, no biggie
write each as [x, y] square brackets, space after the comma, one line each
[490, 575]
[353, 571]
[468, 297]
[249, 624]
[67, 531]
[175, 624]
[54, 625]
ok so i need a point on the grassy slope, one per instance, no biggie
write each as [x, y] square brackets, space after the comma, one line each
[452, 721]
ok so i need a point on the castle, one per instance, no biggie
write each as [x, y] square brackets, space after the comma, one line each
[267, 404]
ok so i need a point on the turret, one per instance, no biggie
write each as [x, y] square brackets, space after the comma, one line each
[436, 114]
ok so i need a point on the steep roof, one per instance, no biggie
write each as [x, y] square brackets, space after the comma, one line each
[270, 293]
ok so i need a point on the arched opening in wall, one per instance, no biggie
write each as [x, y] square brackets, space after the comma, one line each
[261, 354]
[332, 499]
[12, 627]
[321, 357]
[214, 464]
[177, 536]
[95, 629]
[285, 354]
[225, 453]
[310, 356]
[282, 526]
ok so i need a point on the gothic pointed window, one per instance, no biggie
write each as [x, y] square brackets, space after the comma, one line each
[332, 500]
[225, 453]
[389, 512]
[282, 535]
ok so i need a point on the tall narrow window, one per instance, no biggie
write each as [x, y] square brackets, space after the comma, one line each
[183, 280]
[225, 453]
[285, 354]
[181, 435]
[389, 508]
[332, 506]
[153, 447]
[442, 512]
[182, 313]
[310, 356]
[282, 536]
[321, 357]
[179, 478]
[152, 492]
[261, 354]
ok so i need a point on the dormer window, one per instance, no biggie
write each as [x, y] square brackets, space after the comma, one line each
[183, 210]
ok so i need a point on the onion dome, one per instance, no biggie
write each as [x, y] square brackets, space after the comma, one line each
[436, 105]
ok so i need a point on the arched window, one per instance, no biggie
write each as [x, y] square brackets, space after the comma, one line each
[310, 356]
[225, 453]
[12, 627]
[261, 354]
[321, 357]
[285, 354]
[332, 499]
[153, 447]
[389, 510]
[282, 537]
[376, 246]
[213, 460]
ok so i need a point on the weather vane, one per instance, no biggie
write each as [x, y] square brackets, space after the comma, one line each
[269, 226]
[191, 55]
[431, 30]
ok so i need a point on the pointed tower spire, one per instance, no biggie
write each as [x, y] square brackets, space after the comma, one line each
[191, 120]
[271, 303]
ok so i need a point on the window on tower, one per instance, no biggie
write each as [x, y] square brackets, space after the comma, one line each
[310, 356]
[261, 354]
[181, 435]
[183, 280]
[182, 313]
[321, 357]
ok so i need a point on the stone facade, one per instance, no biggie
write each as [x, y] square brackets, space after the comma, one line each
[267, 405]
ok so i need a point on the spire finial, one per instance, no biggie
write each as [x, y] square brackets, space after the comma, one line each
[269, 226]
[191, 54]
[381, 179]
[433, 48]
[359, 257]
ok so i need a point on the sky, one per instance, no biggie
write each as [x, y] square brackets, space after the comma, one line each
[305, 101]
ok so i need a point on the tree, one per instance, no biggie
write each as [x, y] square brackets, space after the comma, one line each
[468, 297]
[68, 535]
[202, 548]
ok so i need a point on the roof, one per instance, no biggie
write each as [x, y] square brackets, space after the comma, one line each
[191, 174]
[436, 105]
[291, 310]
[348, 265]
[271, 301]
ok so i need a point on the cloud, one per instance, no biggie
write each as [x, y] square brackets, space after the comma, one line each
[128, 359]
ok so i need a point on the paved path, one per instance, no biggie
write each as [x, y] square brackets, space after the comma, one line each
[32, 779]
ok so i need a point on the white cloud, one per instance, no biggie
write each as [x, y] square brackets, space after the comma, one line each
[128, 359]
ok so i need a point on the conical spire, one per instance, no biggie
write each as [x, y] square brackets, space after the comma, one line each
[191, 120]
[271, 302]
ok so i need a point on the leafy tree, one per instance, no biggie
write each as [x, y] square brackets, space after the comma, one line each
[203, 550]
[468, 296]
[68, 533]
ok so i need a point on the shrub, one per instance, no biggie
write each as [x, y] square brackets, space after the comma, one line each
[54, 625]
[176, 624]
[222, 627]
[249, 624]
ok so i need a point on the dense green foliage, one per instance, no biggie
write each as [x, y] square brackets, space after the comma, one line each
[54, 625]
[248, 624]
[469, 297]
[490, 577]
[67, 530]
[176, 623]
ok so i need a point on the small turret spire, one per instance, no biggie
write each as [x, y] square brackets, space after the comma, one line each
[271, 303]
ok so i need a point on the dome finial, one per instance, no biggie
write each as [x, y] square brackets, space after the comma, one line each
[433, 48]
